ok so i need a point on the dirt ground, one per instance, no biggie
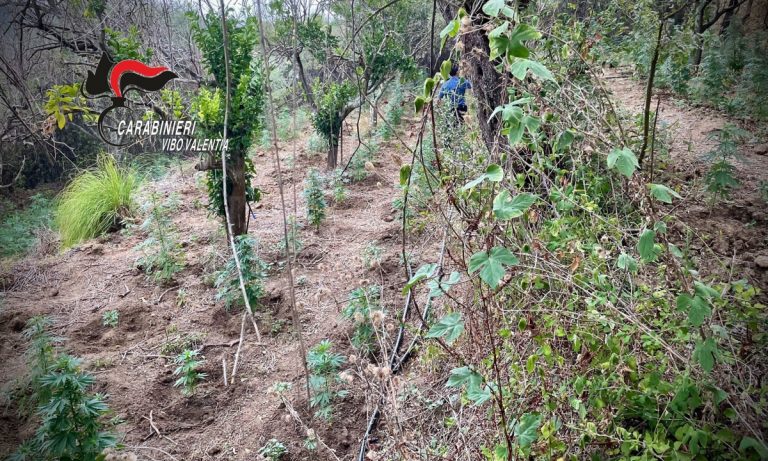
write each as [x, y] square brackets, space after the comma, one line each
[75, 288]
[730, 237]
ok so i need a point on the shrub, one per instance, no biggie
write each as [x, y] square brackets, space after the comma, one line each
[313, 193]
[18, 228]
[95, 202]
[187, 371]
[317, 143]
[324, 378]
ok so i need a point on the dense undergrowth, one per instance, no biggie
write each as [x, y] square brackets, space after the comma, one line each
[579, 328]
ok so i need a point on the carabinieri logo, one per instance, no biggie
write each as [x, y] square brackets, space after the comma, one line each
[117, 79]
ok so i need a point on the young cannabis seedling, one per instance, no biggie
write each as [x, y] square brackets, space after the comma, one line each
[163, 257]
[187, 371]
[324, 378]
[313, 193]
[720, 178]
[371, 255]
[254, 272]
[273, 450]
[364, 310]
[110, 318]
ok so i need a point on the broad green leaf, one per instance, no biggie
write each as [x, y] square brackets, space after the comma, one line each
[493, 7]
[646, 246]
[491, 264]
[493, 173]
[521, 66]
[527, 429]
[683, 302]
[418, 103]
[705, 354]
[424, 272]
[759, 447]
[506, 207]
[699, 311]
[463, 375]
[627, 262]
[438, 288]
[524, 32]
[445, 69]
[450, 30]
[479, 395]
[663, 193]
[449, 327]
[499, 31]
[623, 160]
[429, 86]
[405, 173]
[705, 291]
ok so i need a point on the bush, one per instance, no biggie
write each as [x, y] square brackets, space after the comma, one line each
[95, 202]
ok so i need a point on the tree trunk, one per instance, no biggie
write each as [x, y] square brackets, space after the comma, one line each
[236, 197]
[487, 83]
[333, 151]
[732, 6]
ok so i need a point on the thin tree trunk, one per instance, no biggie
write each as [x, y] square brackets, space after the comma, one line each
[649, 91]
[236, 198]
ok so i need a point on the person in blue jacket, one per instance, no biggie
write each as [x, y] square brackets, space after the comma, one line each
[455, 88]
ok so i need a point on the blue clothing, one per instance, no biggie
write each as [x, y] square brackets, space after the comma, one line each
[455, 88]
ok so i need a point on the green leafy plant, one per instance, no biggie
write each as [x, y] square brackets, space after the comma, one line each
[163, 257]
[254, 271]
[273, 450]
[721, 178]
[110, 318]
[338, 184]
[324, 378]
[18, 228]
[188, 371]
[371, 255]
[364, 309]
[95, 202]
[315, 197]
[71, 419]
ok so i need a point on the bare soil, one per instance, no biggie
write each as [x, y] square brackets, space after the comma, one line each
[727, 237]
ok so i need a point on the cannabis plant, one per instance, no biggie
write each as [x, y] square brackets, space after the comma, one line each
[110, 318]
[313, 193]
[364, 309]
[187, 371]
[162, 257]
[720, 179]
[324, 378]
[254, 272]
[273, 450]
[71, 427]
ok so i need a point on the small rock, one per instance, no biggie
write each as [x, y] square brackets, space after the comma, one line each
[214, 451]
[761, 262]
[761, 149]
[389, 218]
